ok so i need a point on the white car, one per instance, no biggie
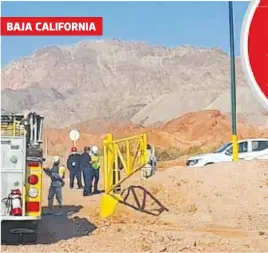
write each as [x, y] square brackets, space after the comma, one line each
[248, 149]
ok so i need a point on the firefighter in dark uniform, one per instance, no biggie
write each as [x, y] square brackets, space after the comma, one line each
[87, 170]
[73, 165]
[57, 174]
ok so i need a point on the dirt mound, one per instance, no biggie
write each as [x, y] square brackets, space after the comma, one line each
[222, 207]
[189, 133]
[60, 144]
[209, 126]
[101, 125]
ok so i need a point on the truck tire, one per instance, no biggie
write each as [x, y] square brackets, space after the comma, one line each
[19, 232]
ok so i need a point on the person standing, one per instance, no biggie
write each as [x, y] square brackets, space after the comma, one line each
[73, 165]
[57, 174]
[87, 170]
[120, 167]
[151, 157]
[95, 162]
[149, 169]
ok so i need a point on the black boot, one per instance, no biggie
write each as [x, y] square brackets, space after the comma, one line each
[96, 191]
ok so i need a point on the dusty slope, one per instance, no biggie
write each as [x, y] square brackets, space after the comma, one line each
[170, 106]
[244, 98]
[111, 78]
[207, 129]
[217, 208]
[255, 120]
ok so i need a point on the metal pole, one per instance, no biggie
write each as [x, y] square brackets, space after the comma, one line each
[233, 84]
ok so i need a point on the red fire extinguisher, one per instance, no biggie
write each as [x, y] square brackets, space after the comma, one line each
[15, 202]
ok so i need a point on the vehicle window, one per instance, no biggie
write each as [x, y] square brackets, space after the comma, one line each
[259, 145]
[242, 148]
[222, 148]
[229, 151]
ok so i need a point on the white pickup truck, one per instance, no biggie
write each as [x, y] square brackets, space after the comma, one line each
[248, 149]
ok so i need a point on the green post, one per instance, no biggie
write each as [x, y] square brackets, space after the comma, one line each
[233, 83]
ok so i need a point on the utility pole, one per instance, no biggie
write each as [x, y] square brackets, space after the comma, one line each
[233, 83]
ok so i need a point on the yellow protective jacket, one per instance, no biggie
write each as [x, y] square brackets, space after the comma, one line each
[62, 171]
[95, 161]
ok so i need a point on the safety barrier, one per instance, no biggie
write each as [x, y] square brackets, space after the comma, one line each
[124, 156]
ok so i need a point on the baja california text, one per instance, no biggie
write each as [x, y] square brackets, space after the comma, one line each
[50, 26]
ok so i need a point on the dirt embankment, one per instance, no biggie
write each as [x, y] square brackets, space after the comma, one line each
[222, 207]
[191, 133]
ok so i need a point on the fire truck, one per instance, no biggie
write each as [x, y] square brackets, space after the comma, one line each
[21, 176]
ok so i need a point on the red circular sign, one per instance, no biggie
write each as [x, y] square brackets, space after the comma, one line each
[254, 48]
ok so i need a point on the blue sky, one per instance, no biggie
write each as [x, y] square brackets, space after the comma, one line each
[170, 24]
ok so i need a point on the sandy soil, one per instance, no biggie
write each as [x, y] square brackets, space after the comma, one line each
[217, 208]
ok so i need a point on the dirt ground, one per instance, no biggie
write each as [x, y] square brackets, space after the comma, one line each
[220, 207]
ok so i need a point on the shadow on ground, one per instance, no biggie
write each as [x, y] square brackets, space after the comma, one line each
[51, 228]
[55, 228]
[100, 192]
[140, 199]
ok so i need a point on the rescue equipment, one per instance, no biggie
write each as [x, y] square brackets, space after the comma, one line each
[14, 202]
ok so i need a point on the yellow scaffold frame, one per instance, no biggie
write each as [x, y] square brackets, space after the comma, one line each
[111, 157]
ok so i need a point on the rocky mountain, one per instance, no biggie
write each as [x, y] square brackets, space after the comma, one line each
[122, 81]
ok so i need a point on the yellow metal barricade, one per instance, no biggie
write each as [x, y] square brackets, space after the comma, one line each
[127, 155]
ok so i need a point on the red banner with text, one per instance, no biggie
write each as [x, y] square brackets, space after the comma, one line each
[51, 26]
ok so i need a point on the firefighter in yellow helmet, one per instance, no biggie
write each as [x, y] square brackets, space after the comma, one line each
[95, 162]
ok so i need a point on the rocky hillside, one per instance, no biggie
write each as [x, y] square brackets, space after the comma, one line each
[193, 132]
[119, 80]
